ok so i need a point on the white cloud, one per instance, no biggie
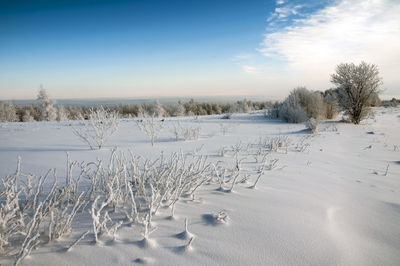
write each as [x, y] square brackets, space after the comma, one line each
[285, 11]
[251, 69]
[348, 31]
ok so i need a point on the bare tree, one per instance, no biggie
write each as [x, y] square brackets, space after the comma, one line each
[356, 85]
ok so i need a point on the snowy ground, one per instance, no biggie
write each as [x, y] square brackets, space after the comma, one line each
[335, 203]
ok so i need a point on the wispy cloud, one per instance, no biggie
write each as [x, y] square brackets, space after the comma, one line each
[283, 12]
[346, 31]
[280, 2]
[251, 69]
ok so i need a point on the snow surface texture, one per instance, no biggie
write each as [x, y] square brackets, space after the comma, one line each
[333, 198]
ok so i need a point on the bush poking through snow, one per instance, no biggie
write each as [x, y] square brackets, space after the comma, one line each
[82, 236]
[185, 234]
[221, 216]
[27, 214]
[177, 130]
[187, 133]
[129, 186]
[100, 125]
[185, 248]
[146, 242]
[151, 126]
[100, 218]
[191, 133]
[312, 124]
[269, 166]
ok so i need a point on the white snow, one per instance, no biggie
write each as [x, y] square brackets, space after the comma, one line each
[331, 204]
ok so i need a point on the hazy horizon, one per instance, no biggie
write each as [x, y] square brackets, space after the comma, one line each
[117, 49]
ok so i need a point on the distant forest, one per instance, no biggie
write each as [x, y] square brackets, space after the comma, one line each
[44, 109]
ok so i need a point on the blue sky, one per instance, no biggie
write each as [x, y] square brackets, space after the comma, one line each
[86, 49]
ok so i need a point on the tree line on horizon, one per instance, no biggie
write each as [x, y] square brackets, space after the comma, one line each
[45, 109]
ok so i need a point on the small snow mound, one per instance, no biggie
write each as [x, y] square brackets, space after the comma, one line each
[147, 243]
[185, 234]
[185, 248]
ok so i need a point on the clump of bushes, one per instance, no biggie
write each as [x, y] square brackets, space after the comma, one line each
[301, 105]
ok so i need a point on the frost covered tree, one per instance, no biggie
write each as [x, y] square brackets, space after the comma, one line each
[243, 106]
[61, 113]
[357, 84]
[180, 109]
[27, 117]
[141, 111]
[47, 111]
[8, 112]
[158, 109]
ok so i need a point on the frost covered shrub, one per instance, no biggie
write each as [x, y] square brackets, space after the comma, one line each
[191, 133]
[186, 132]
[312, 124]
[151, 126]
[302, 104]
[8, 112]
[47, 111]
[100, 125]
[292, 113]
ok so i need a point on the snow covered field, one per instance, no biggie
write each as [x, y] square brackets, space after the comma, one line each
[333, 197]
